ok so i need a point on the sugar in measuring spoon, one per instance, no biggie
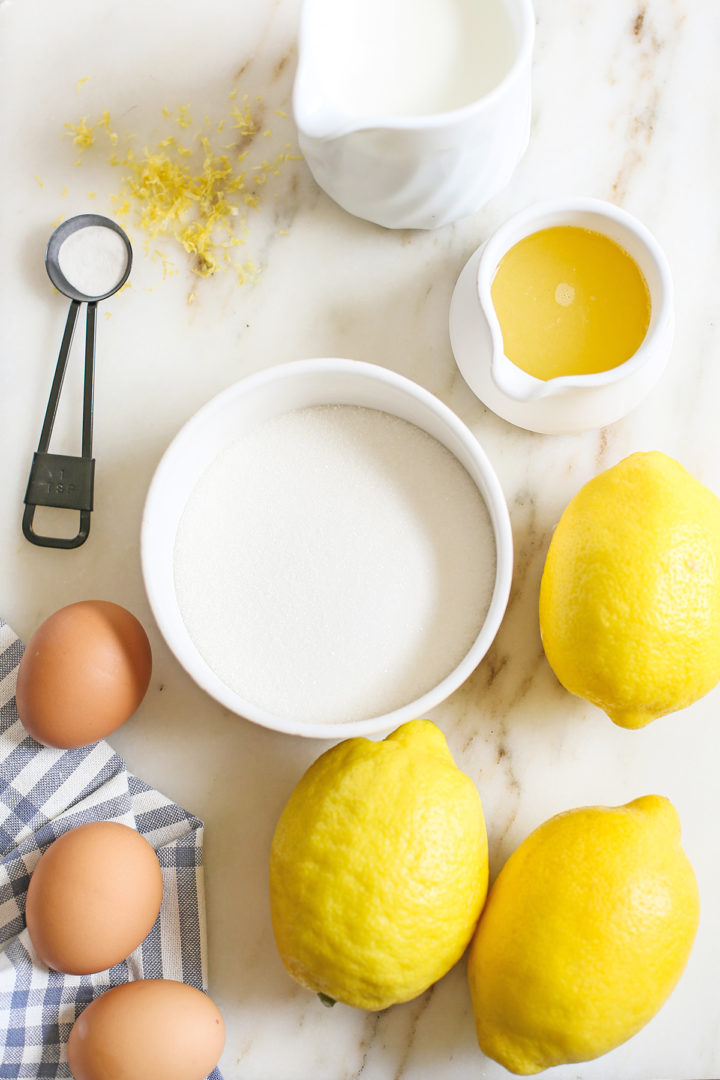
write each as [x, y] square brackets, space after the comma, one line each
[88, 258]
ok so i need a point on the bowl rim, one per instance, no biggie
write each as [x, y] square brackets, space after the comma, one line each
[200, 671]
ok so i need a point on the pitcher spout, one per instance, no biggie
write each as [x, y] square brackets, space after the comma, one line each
[317, 113]
[516, 383]
[316, 120]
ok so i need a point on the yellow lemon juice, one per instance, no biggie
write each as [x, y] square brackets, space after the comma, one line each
[570, 301]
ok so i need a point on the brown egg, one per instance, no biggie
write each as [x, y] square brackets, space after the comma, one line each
[152, 1029]
[84, 672]
[93, 897]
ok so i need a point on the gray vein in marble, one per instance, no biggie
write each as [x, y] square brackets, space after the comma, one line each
[650, 83]
[605, 441]
[639, 21]
[418, 1011]
[260, 40]
[507, 677]
[366, 1043]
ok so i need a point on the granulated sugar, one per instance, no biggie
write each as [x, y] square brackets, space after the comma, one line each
[93, 259]
[335, 564]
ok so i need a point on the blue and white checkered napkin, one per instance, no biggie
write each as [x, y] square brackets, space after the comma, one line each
[43, 793]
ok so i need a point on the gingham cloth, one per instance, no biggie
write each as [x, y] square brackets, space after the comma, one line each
[43, 793]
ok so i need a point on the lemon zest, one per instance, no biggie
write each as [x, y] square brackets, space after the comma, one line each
[194, 194]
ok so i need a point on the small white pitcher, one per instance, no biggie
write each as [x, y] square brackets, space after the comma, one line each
[566, 403]
[410, 172]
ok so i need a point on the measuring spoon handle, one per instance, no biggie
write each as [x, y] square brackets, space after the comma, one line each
[61, 480]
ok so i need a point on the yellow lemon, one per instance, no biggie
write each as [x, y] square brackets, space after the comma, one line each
[630, 593]
[378, 869]
[585, 933]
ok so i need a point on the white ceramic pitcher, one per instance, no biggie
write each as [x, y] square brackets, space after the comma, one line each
[409, 171]
[566, 403]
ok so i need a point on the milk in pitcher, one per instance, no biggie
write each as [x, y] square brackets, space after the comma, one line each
[415, 57]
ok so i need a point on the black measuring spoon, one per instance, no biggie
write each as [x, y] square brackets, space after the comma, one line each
[61, 480]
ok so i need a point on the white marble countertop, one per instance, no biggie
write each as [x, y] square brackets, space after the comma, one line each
[626, 109]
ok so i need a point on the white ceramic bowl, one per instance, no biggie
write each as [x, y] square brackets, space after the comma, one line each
[238, 410]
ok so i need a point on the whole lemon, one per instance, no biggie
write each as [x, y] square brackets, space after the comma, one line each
[378, 869]
[630, 593]
[585, 933]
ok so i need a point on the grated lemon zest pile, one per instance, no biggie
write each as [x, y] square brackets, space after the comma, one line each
[191, 192]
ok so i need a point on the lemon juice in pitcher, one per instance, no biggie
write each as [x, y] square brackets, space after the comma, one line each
[570, 301]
